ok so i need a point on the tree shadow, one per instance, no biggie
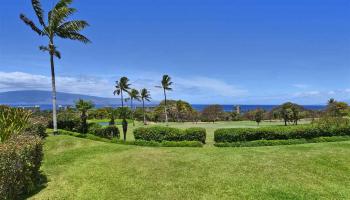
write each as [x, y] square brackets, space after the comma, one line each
[42, 184]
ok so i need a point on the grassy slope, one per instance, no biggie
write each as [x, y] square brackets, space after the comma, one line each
[84, 169]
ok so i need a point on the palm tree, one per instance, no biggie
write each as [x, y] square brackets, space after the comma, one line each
[83, 107]
[122, 86]
[145, 96]
[166, 83]
[56, 25]
[134, 95]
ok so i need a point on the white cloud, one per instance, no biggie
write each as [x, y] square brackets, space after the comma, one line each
[194, 89]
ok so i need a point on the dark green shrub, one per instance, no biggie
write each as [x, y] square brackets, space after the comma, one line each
[20, 161]
[195, 134]
[160, 133]
[36, 129]
[282, 142]
[164, 143]
[106, 132]
[279, 133]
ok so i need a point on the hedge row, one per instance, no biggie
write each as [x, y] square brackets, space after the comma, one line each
[164, 143]
[278, 133]
[161, 133]
[20, 161]
[257, 143]
[105, 132]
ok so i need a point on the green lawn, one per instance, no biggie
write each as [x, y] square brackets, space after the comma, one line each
[210, 127]
[84, 169]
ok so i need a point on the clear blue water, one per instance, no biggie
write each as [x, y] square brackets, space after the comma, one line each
[200, 107]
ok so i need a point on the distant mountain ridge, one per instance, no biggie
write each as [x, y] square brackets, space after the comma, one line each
[38, 97]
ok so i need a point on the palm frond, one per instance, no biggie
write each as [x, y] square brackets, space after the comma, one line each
[31, 24]
[63, 3]
[57, 16]
[38, 11]
[44, 48]
[55, 52]
[73, 36]
[73, 26]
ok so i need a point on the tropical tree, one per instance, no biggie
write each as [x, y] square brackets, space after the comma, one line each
[165, 85]
[145, 96]
[258, 116]
[56, 25]
[122, 86]
[134, 95]
[83, 107]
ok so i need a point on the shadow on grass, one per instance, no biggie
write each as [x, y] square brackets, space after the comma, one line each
[42, 185]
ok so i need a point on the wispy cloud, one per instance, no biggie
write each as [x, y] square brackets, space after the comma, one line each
[197, 89]
[301, 86]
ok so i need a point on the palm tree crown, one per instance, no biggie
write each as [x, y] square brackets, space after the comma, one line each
[56, 24]
[122, 86]
[134, 94]
[166, 82]
[145, 95]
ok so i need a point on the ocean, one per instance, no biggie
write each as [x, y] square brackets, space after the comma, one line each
[198, 107]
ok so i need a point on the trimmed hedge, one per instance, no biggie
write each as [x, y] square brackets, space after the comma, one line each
[105, 132]
[164, 143]
[257, 143]
[20, 161]
[161, 133]
[279, 133]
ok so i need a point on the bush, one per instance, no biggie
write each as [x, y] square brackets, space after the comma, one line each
[195, 134]
[105, 132]
[20, 161]
[36, 129]
[279, 133]
[282, 142]
[160, 133]
[164, 143]
[12, 121]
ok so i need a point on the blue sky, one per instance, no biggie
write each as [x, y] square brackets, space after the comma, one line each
[217, 51]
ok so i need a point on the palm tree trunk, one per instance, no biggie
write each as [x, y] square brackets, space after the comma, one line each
[143, 110]
[132, 112]
[121, 94]
[165, 109]
[53, 82]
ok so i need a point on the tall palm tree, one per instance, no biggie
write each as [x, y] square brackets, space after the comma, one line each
[56, 25]
[145, 96]
[122, 86]
[83, 107]
[165, 85]
[134, 95]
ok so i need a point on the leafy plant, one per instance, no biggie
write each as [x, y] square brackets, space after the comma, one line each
[12, 121]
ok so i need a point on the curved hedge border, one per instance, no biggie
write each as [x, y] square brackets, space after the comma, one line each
[257, 143]
[161, 133]
[278, 133]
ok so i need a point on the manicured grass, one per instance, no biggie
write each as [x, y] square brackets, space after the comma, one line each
[79, 168]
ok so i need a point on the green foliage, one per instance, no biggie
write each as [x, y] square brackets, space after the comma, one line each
[67, 120]
[20, 161]
[36, 129]
[282, 133]
[337, 108]
[83, 107]
[166, 143]
[12, 121]
[106, 132]
[282, 142]
[161, 133]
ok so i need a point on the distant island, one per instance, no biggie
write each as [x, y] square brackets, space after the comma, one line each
[39, 97]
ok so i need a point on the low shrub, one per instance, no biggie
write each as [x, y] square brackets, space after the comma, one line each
[20, 161]
[282, 142]
[106, 132]
[86, 136]
[164, 143]
[160, 133]
[72, 124]
[279, 133]
[36, 129]
[195, 134]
